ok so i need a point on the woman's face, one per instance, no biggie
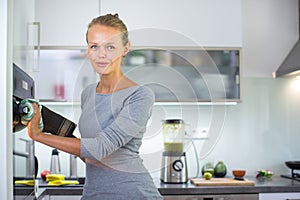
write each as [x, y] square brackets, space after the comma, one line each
[105, 49]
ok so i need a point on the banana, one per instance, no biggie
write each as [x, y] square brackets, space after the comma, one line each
[54, 177]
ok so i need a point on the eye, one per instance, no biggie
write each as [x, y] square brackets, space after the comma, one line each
[110, 47]
[93, 46]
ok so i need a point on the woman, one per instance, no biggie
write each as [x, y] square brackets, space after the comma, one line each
[113, 120]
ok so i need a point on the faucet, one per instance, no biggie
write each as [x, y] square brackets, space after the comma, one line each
[73, 166]
[29, 155]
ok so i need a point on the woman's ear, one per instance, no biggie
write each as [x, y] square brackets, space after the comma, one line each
[126, 49]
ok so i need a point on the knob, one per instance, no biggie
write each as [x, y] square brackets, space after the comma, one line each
[178, 165]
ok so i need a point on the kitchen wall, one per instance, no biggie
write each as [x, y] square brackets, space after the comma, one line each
[261, 131]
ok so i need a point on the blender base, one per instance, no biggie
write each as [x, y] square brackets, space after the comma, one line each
[174, 167]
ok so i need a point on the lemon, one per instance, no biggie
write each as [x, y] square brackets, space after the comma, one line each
[211, 171]
[207, 175]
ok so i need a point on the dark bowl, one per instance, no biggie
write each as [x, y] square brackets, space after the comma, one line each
[293, 164]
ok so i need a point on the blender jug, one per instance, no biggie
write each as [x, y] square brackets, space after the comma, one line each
[173, 135]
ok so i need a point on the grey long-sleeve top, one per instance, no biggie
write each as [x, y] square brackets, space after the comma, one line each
[111, 128]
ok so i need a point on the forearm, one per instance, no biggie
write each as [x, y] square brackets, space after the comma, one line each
[69, 145]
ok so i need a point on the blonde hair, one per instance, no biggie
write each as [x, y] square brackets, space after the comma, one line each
[113, 21]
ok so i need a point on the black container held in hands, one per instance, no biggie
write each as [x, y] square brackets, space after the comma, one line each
[51, 122]
[57, 124]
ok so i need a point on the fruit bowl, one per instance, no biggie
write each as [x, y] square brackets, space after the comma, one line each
[238, 173]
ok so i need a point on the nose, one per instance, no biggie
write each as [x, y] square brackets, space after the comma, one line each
[101, 52]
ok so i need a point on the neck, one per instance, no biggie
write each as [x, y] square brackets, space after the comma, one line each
[110, 84]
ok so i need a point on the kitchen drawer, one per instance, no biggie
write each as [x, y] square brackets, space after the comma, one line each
[213, 197]
[279, 196]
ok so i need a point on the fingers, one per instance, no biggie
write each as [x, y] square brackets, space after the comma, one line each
[36, 114]
[36, 108]
[33, 125]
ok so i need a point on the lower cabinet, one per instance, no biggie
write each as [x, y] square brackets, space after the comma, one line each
[213, 197]
[279, 196]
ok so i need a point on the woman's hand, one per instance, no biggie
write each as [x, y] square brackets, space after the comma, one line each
[69, 145]
[33, 126]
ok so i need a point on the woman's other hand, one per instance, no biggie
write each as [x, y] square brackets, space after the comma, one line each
[33, 126]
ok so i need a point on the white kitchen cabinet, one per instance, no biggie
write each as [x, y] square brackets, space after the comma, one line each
[208, 23]
[279, 196]
[64, 23]
[24, 33]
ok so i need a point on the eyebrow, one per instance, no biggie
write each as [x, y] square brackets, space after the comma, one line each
[108, 43]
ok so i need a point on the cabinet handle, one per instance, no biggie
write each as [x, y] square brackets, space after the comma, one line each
[36, 45]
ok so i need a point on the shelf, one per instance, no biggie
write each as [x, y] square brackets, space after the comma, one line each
[193, 76]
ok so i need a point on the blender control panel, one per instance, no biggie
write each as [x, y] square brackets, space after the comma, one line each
[178, 165]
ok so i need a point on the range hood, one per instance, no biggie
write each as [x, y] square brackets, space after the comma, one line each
[291, 64]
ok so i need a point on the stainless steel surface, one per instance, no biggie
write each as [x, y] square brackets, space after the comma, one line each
[174, 168]
[29, 155]
[55, 163]
[36, 66]
[73, 166]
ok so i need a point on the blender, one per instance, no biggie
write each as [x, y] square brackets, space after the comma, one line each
[174, 165]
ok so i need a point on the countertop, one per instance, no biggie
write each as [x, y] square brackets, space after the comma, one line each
[275, 184]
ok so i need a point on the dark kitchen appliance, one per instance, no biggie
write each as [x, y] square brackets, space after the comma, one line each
[174, 165]
[23, 87]
[293, 165]
[24, 91]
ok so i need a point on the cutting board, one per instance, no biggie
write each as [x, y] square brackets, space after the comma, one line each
[221, 182]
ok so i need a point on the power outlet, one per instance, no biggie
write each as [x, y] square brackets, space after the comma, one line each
[198, 134]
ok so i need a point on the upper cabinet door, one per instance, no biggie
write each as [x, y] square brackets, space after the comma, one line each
[210, 23]
[23, 18]
[64, 23]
